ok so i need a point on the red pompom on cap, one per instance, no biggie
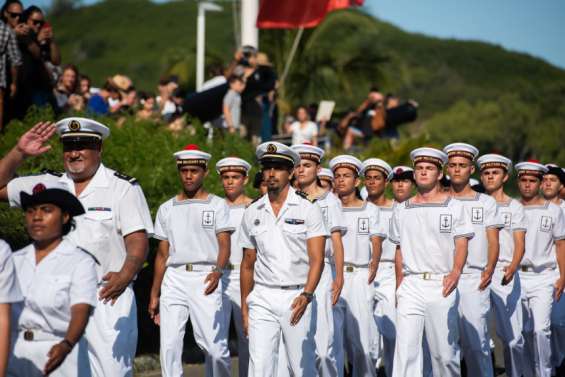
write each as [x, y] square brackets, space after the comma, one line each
[191, 147]
[38, 188]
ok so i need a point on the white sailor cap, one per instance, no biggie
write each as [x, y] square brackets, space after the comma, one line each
[473, 182]
[234, 164]
[426, 154]
[308, 152]
[346, 161]
[461, 150]
[192, 155]
[326, 173]
[493, 160]
[275, 152]
[379, 165]
[75, 128]
[402, 172]
[531, 168]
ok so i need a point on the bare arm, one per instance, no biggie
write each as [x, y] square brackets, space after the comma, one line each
[560, 253]
[57, 354]
[158, 274]
[224, 245]
[228, 117]
[337, 285]
[493, 252]
[246, 282]
[4, 337]
[450, 281]
[137, 246]
[377, 243]
[55, 53]
[519, 250]
[398, 266]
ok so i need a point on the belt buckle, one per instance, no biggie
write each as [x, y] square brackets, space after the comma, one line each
[189, 267]
[524, 269]
[426, 275]
[230, 267]
[349, 268]
[28, 335]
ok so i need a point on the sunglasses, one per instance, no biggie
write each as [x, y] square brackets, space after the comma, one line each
[14, 14]
[38, 22]
[80, 145]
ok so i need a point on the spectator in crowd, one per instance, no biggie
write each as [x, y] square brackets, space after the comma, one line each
[85, 87]
[303, 130]
[148, 106]
[67, 93]
[10, 58]
[216, 73]
[167, 106]
[232, 104]
[98, 103]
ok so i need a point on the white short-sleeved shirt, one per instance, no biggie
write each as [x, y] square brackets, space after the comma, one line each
[302, 135]
[280, 241]
[191, 227]
[545, 225]
[482, 213]
[514, 218]
[9, 287]
[115, 207]
[235, 217]
[65, 277]
[333, 217]
[363, 223]
[389, 248]
[426, 234]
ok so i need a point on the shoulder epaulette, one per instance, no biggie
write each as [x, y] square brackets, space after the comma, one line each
[51, 172]
[254, 200]
[90, 254]
[125, 177]
[303, 195]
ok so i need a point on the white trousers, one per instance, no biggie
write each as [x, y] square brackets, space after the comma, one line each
[421, 306]
[269, 318]
[111, 334]
[355, 321]
[558, 329]
[507, 308]
[537, 300]
[385, 314]
[474, 307]
[182, 296]
[28, 358]
[323, 330]
[232, 305]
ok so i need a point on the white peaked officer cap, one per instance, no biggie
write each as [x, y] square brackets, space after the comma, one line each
[461, 150]
[346, 161]
[275, 152]
[192, 155]
[531, 168]
[379, 165]
[234, 164]
[326, 173]
[493, 160]
[308, 152]
[76, 128]
[426, 154]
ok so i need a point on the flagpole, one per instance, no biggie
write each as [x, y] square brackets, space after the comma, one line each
[293, 50]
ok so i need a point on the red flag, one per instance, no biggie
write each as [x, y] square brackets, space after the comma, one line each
[293, 14]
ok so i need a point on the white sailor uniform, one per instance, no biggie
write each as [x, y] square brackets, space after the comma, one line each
[65, 277]
[9, 288]
[190, 227]
[558, 322]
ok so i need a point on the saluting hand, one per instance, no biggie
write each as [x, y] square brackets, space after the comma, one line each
[298, 308]
[559, 286]
[56, 355]
[450, 282]
[213, 280]
[32, 143]
[115, 285]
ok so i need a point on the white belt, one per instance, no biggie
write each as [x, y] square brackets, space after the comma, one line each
[37, 335]
[290, 287]
[192, 267]
[535, 269]
[349, 267]
[386, 264]
[232, 267]
[427, 276]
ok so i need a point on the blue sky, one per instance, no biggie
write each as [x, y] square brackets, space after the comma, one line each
[536, 27]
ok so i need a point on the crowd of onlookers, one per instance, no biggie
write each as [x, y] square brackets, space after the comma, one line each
[238, 98]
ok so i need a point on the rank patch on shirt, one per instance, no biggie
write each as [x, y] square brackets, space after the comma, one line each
[106, 209]
[294, 221]
[477, 215]
[507, 217]
[363, 225]
[445, 223]
[207, 219]
[545, 224]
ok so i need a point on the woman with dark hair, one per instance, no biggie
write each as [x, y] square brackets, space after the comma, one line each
[58, 282]
[67, 91]
[11, 13]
